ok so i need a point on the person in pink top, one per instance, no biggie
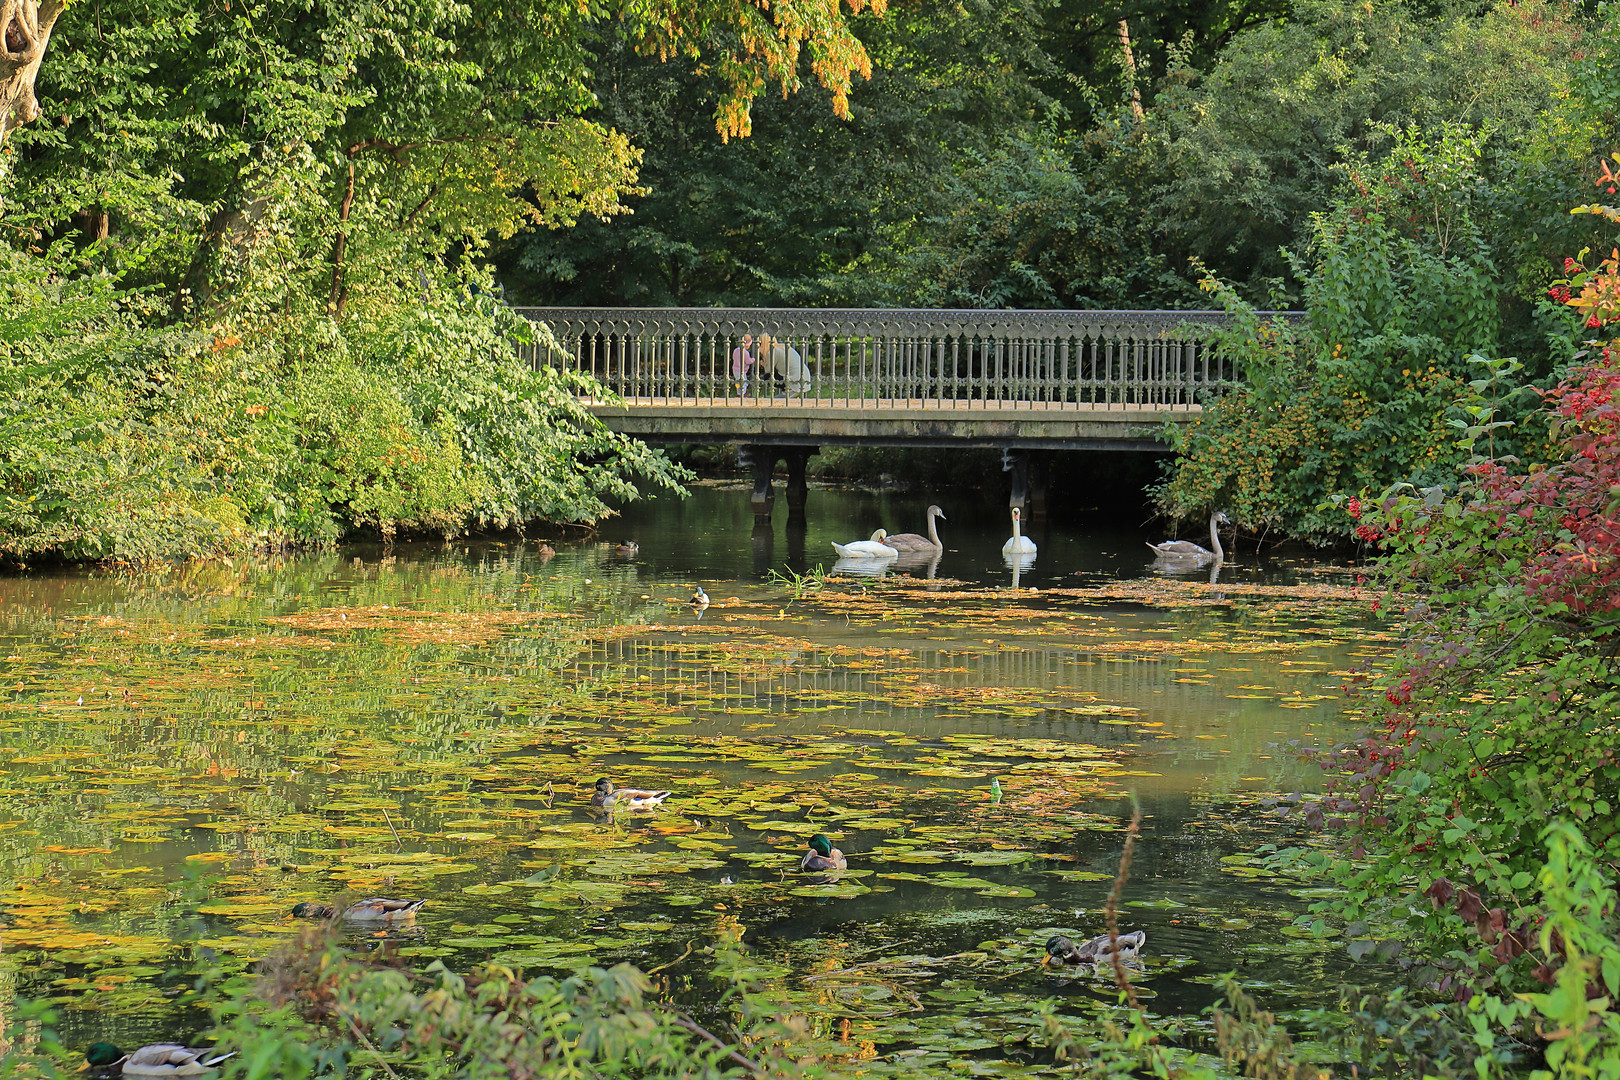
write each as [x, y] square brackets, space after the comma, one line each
[742, 360]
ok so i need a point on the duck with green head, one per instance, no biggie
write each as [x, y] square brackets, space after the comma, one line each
[159, 1059]
[823, 856]
[1099, 950]
[373, 909]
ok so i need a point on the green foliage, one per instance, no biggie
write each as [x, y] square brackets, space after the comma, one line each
[1575, 1014]
[793, 214]
[88, 467]
[494, 1022]
[29, 1047]
[293, 199]
[1565, 1029]
[534, 449]
[1500, 711]
[1502, 708]
[266, 155]
[799, 585]
[319, 1010]
[1022, 226]
[1248, 148]
[1402, 311]
[125, 442]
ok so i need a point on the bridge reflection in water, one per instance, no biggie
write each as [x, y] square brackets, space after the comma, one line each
[1103, 697]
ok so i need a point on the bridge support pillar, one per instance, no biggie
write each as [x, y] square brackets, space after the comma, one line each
[1030, 470]
[798, 492]
[1040, 472]
[761, 461]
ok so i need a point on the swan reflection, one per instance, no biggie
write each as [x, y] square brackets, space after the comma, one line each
[874, 568]
[1018, 562]
[921, 564]
[1187, 572]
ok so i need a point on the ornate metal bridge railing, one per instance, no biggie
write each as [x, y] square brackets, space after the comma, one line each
[875, 358]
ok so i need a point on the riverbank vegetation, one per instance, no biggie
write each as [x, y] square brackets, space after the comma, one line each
[1481, 807]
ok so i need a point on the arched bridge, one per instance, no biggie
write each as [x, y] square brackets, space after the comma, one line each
[781, 382]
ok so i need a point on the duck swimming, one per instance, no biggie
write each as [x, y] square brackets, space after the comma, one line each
[629, 547]
[158, 1059]
[823, 856]
[374, 909]
[608, 797]
[1096, 951]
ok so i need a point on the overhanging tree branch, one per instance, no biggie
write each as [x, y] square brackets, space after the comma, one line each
[25, 31]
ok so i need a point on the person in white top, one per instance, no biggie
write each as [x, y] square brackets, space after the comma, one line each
[783, 364]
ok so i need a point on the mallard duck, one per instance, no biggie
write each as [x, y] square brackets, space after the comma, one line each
[700, 599]
[159, 1059]
[823, 856]
[629, 547]
[1096, 951]
[916, 542]
[546, 551]
[874, 548]
[1019, 544]
[374, 909]
[1188, 553]
[608, 797]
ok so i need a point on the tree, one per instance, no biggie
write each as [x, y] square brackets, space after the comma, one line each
[791, 214]
[331, 150]
[1250, 145]
[25, 31]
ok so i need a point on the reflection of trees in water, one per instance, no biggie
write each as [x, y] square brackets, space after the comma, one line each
[198, 710]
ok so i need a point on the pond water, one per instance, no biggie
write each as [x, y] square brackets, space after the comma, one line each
[188, 755]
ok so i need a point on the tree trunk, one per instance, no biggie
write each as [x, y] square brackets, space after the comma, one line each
[25, 30]
[1130, 67]
[340, 243]
[227, 244]
[93, 222]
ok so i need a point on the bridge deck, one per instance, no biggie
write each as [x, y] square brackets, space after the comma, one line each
[1038, 380]
[893, 421]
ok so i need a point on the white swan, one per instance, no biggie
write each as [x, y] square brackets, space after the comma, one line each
[916, 541]
[1187, 553]
[1019, 544]
[867, 549]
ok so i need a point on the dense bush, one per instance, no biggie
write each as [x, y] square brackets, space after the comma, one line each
[123, 439]
[1505, 706]
[1481, 807]
[1402, 312]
